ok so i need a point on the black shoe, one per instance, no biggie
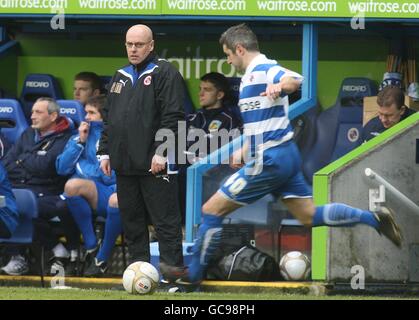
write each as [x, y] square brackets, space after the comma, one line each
[96, 269]
[90, 255]
[88, 259]
[173, 274]
[387, 226]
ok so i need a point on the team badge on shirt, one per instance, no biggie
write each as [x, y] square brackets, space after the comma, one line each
[214, 125]
[147, 81]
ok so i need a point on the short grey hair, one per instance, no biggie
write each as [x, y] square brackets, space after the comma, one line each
[240, 34]
[52, 105]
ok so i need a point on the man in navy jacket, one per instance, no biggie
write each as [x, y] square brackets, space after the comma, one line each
[30, 164]
[391, 110]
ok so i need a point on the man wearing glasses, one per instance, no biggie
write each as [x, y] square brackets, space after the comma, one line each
[145, 96]
[391, 110]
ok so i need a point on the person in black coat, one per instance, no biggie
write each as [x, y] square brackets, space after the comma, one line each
[145, 99]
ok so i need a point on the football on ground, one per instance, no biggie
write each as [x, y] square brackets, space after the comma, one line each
[140, 278]
[295, 265]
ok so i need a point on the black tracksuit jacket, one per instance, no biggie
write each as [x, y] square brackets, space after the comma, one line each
[136, 109]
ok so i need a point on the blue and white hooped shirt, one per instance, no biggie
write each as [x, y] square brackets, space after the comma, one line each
[265, 120]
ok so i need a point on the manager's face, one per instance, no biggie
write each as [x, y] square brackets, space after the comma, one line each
[139, 43]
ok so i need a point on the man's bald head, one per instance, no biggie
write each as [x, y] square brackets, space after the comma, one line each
[141, 30]
[139, 43]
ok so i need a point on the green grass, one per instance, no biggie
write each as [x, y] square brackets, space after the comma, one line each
[29, 293]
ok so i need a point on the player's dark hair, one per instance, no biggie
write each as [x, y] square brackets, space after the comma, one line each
[220, 82]
[98, 102]
[91, 77]
[239, 34]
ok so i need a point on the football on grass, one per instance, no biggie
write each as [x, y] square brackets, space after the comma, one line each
[140, 278]
[295, 265]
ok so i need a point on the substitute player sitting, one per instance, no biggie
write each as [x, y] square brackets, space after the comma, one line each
[276, 164]
[89, 188]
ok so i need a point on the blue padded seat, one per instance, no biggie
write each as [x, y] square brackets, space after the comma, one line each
[13, 119]
[27, 207]
[72, 109]
[338, 129]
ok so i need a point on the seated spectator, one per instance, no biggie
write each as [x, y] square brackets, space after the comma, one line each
[214, 91]
[30, 164]
[89, 188]
[391, 110]
[86, 85]
[214, 115]
[8, 208]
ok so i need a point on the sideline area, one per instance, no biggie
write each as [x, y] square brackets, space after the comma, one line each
[282, 287]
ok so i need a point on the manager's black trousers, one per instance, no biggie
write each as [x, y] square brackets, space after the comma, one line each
[140, 196]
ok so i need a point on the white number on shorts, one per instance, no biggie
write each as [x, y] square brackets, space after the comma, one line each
[231, 179]
[237, 186]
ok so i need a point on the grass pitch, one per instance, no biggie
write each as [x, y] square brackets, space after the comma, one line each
[29, 293]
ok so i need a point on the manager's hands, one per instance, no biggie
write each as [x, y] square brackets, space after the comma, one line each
[158, 164]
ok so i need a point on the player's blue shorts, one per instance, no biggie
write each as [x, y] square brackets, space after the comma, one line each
[277, 170]
[103, 193]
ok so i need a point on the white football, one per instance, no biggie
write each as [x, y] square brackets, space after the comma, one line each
[295, 265]
[140, 278]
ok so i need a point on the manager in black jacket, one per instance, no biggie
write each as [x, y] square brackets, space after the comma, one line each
[145, 96]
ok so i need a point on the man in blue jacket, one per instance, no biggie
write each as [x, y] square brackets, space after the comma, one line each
[30, 164]
[89, 188]
[8, 209]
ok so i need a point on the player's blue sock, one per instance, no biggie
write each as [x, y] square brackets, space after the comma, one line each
[113, 229]
[206, 243]
[342, 215]
[82, 214]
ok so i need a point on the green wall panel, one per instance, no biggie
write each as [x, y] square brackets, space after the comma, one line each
[8, 75]
[338, 58]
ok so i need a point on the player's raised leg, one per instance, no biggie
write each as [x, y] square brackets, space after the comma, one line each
[342, 215]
